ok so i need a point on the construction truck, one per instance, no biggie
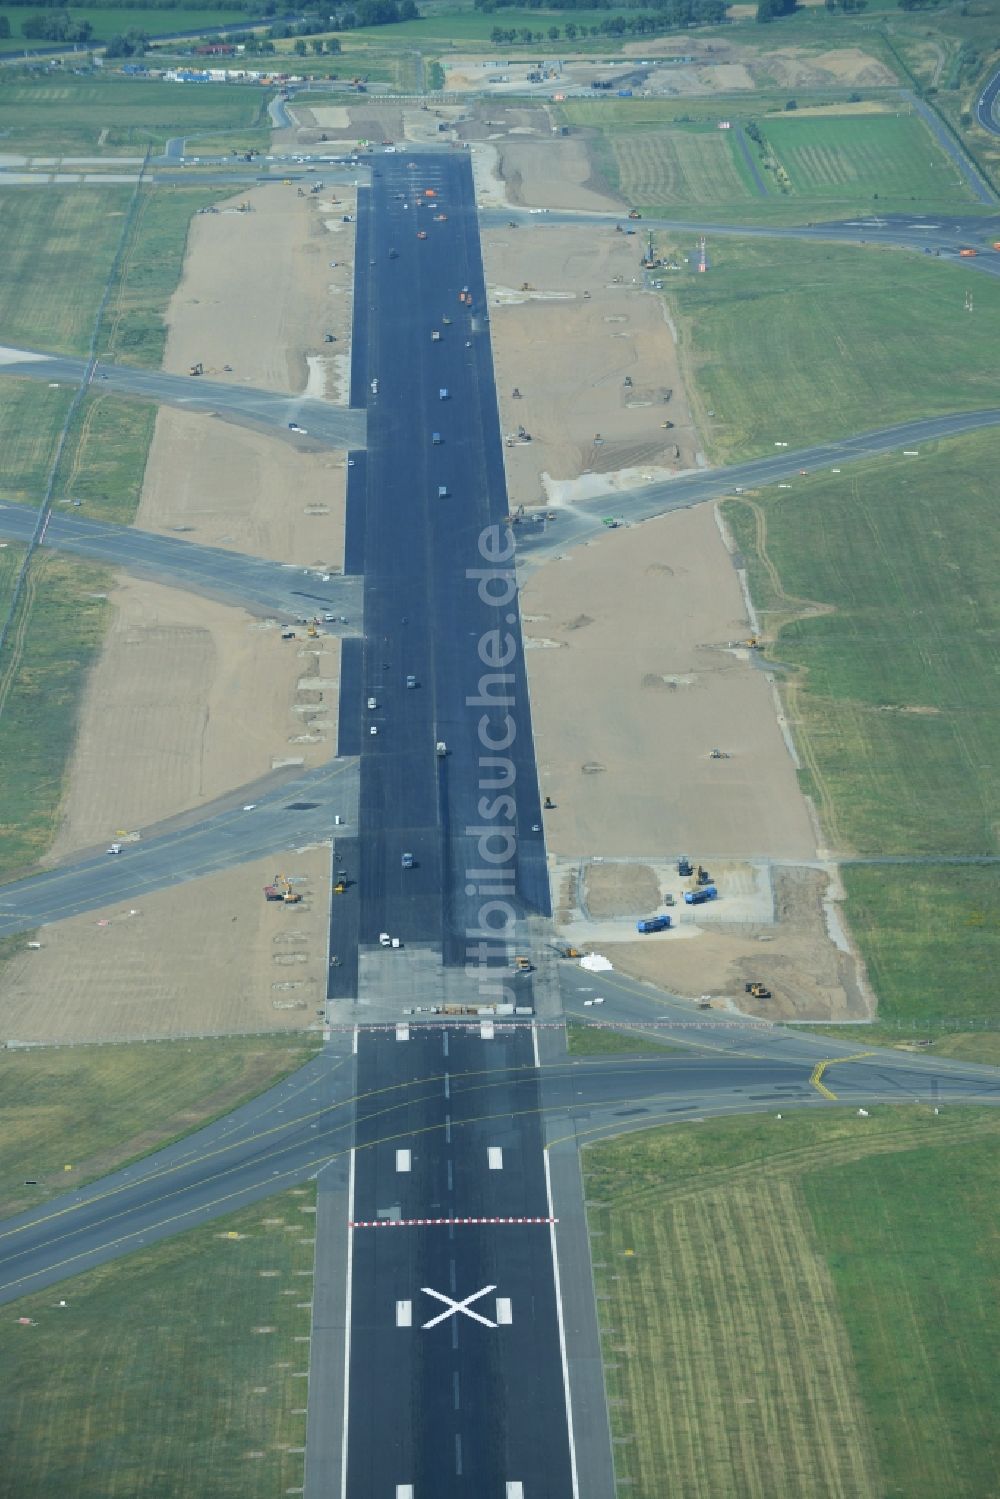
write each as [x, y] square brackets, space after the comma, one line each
[197, 369]
[699, 897]
[634, 213]
[758, 991]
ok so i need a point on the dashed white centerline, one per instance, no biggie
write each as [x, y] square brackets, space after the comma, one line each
[451, 1177]
[447, 1085]
[494, 1157]
[534, 1045]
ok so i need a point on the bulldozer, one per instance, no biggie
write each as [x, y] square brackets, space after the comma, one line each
[311, 630]
[197, 369]
[757, 990]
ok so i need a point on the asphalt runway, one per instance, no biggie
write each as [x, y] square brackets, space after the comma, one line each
[262, 588]
[308, 1122]
[324, 425]
[300, 811]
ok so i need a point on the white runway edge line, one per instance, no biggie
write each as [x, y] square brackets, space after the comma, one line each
[562, 1326]
[347, 1312]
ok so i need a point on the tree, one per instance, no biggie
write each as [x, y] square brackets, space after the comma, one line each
[299, 48]
[571, 31]
[408, 11]
[553, 33]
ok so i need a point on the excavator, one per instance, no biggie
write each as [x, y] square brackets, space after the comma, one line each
[281, 889]
[758, 991]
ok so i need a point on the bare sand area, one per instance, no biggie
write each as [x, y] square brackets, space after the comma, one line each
[229, 487]
[554, 173]
[258, 289]
[811, 976]
[187, 700]
[206, 958]
[633, 682]
[591, 354]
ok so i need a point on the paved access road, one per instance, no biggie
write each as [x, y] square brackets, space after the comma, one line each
[324, 425]
[297, 812]
[263, 588]
[584, 520]
[986, 105]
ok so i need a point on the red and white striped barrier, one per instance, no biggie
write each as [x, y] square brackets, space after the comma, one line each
[434, 1222]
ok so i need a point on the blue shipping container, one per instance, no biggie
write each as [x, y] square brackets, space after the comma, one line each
[653, 924]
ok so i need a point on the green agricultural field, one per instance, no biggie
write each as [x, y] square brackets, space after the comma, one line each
[804, 342]
[808, 1303]
[880, 588]
[857, 161]
[59, 244]
[51, 115]
[678, 167]
[94, 1108]
[179, 1370]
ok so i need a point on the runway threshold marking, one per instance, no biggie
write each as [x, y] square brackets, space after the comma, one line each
[816, 1076]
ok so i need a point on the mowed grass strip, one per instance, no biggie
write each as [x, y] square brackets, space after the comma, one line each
[862, 159]
[104, 460]
[880, 586]
[93, 1108]
[730, 1355]
[59, 244]
[31, 417]
[598, 1040]
[912, 1244]
[179, 1370]
[805, 342]
[677, 167]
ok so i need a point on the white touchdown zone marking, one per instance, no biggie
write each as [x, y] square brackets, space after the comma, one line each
[402, 1032]
[404, 1313]
[403, 1158]
[494, 1157]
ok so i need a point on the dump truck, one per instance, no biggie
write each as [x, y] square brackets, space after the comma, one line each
[700, 896]
[653, 924]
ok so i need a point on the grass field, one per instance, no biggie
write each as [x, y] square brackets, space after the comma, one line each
[666, 155]
[859, 161]
[888, 606]
[598, 1041]
[104, 459]
[92, 116]
[58, 247]
[179, 1370]
[133, 331]
[931, 939]
[97, 1107]
[748, 1313]
[58, 631]
[803, 342]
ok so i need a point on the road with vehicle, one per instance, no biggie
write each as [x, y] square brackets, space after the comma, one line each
[319, 423]
[474, 1335]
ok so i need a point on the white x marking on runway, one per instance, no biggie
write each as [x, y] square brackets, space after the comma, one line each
[452, 1306]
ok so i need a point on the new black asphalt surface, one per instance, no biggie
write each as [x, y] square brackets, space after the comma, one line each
[986, 105]
[262, 588]
[325, 426]
[427, 608]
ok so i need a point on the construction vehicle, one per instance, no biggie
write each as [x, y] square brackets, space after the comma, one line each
[340, 887]
[569, 952]
[653, 924]
[281, 889]
[440, 749]
[968, 254]
[526, 286]
[684, 867]
[328, 338]
[548, 804]
[523, 965]
[435, 336]
[705, 1002]
[718, 754]
[421, 234]
[197, 369]
[702, 876]
[628, 382]
[699, 897]
[759, 991]
[311, 630]
[634, 213]
[752, 643]
[651, 261]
